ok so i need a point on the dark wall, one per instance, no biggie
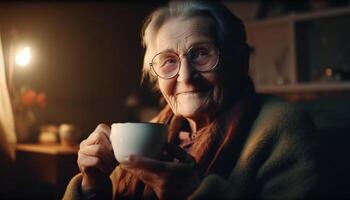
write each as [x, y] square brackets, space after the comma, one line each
[86, 56]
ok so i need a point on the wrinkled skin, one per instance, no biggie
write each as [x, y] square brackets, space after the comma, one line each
[169, 180]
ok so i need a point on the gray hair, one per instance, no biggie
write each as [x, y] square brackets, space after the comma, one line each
[228, 31]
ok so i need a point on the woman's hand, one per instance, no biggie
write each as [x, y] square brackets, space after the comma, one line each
[96, 160]
[169, 180]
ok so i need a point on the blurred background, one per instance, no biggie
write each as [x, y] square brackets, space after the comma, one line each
[84, 68]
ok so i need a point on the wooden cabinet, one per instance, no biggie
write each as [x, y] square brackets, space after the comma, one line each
[53, 165]
[294, 52]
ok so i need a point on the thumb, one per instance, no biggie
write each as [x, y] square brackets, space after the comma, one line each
[178, 153]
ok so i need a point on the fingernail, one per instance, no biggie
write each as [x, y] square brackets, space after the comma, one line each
[129, 158]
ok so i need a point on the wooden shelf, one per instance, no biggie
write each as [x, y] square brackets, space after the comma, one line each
[54, 149]
[282, 48]
[53, 165]
[313, 86]
[295, 17]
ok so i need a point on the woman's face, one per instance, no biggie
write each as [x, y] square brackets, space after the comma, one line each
[191, 94]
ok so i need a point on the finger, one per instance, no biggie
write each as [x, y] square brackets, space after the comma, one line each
[187, 164]
[106, 165]
[82, 144]
[147, 164]
[103, 128]
[155, 166]
[99, 137]
[98, 150]
[95, 138]
[85, 162]
[179, 153]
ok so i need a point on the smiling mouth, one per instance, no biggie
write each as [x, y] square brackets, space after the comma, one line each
[194, 91]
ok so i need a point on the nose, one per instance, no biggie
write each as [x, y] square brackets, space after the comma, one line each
[186, 71]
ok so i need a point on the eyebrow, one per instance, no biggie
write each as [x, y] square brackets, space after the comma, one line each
[171, 50]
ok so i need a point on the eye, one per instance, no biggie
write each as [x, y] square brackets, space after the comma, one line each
[200, 52]
[199, 56]
[168, 61]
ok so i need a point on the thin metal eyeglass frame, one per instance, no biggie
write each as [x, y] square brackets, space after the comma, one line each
[179, 56]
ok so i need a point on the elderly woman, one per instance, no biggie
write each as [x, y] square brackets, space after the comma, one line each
[224, 140]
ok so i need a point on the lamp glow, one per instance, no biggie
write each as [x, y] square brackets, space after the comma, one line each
[23, 57]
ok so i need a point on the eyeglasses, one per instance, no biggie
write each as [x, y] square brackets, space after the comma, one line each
[204, 57]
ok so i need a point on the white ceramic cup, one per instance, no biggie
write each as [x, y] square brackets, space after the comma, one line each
[146, 139]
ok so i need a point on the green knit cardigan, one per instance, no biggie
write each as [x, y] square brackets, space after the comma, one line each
[278, 160]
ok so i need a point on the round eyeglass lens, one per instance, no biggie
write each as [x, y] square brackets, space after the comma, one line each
[203, 57]
[166, 64]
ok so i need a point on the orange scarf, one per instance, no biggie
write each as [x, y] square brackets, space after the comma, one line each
[217, 148]
[220, 139]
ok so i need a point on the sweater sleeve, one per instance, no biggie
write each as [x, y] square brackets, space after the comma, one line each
[279, 160]
[214, 187]
[74, 192]
[290, 169]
